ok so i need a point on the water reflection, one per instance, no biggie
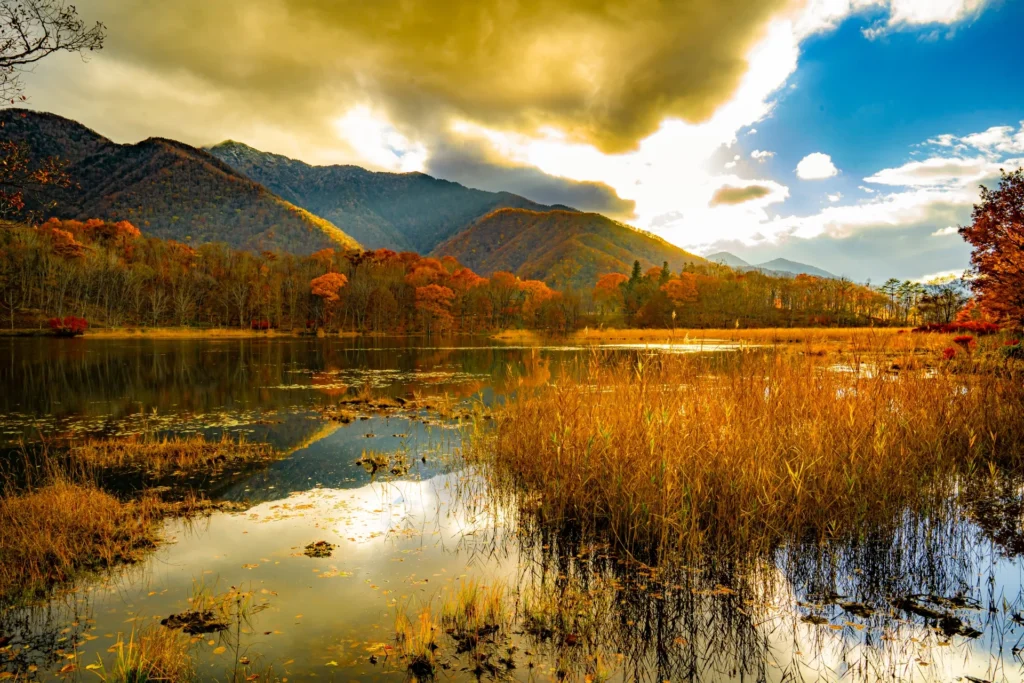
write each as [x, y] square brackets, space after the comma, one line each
[935, 597]
[132, 386]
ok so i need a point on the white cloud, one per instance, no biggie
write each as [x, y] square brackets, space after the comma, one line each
[816, 166]
[835, 197]
[866, 189]
[375, 139]
[997, 139]
[937, 172]
[752, 131]
[943, 232]
[761, 155]
[943, 276]
[910, 14]
[923, 12]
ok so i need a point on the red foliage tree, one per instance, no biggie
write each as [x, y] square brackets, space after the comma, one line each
[997, 234]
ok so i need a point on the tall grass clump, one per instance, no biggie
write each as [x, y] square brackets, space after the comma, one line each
[51, 533]
[747, 449]
[148, 655]
[168, 455]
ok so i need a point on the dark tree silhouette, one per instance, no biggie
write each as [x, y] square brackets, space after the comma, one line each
[31, 30]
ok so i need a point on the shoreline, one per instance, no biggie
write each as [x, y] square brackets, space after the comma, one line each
[585, 336]
[690, 335]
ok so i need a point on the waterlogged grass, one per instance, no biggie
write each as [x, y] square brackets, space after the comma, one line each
[150, 654]
[469, 630]
[50, 534]
[748, 449]
[57, 520]
[163, 456]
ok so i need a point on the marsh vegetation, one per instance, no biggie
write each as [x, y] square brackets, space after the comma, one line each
[766, 506]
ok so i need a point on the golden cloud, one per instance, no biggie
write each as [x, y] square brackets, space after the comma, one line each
[601, 72]
[738, 195]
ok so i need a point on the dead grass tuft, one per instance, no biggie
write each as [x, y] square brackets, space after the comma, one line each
[50, 534]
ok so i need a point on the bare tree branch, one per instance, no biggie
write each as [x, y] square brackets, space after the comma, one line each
[31, 30]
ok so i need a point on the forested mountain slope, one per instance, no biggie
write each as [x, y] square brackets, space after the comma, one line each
[167, 189]
[559, 247]
[400, 211]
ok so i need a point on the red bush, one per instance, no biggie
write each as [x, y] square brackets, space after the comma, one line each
[69, 326]
[949, 353]
[966, 341]
[259, 324]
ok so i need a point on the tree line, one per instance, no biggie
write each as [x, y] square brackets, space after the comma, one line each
[112, 275]
[713, 295]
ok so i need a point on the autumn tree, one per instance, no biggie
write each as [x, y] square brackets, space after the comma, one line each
[326, 289]
[608, 290]
[19, 174]
[434, 304]
[681, 290]
[996, 233]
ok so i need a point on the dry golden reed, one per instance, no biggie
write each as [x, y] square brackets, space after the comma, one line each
[50, 534]
[152, 653]
[160, 456]
[745, 449]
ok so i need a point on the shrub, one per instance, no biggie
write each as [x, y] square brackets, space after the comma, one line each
[949, 353]
[70, 326]
[965, 341]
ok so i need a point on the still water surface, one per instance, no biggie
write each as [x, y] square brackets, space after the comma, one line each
[409, 540]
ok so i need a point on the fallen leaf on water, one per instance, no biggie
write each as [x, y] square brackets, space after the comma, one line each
[220, 650]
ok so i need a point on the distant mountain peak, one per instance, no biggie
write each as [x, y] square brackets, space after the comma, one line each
[779, 266]
[787, 266]
[727, 259]
[558, 246]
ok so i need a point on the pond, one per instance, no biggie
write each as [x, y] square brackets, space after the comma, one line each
[938, 598]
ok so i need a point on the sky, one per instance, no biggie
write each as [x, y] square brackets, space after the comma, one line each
[847, 134]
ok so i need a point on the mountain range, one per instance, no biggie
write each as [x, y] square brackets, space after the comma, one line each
[166, 188]
[400, 211]
[250, 199]
[778, 267]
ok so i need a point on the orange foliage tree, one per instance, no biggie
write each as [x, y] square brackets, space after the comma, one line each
[608, 290]
[327, 290]
[996, 233]
[434, 304]
[681, 290]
